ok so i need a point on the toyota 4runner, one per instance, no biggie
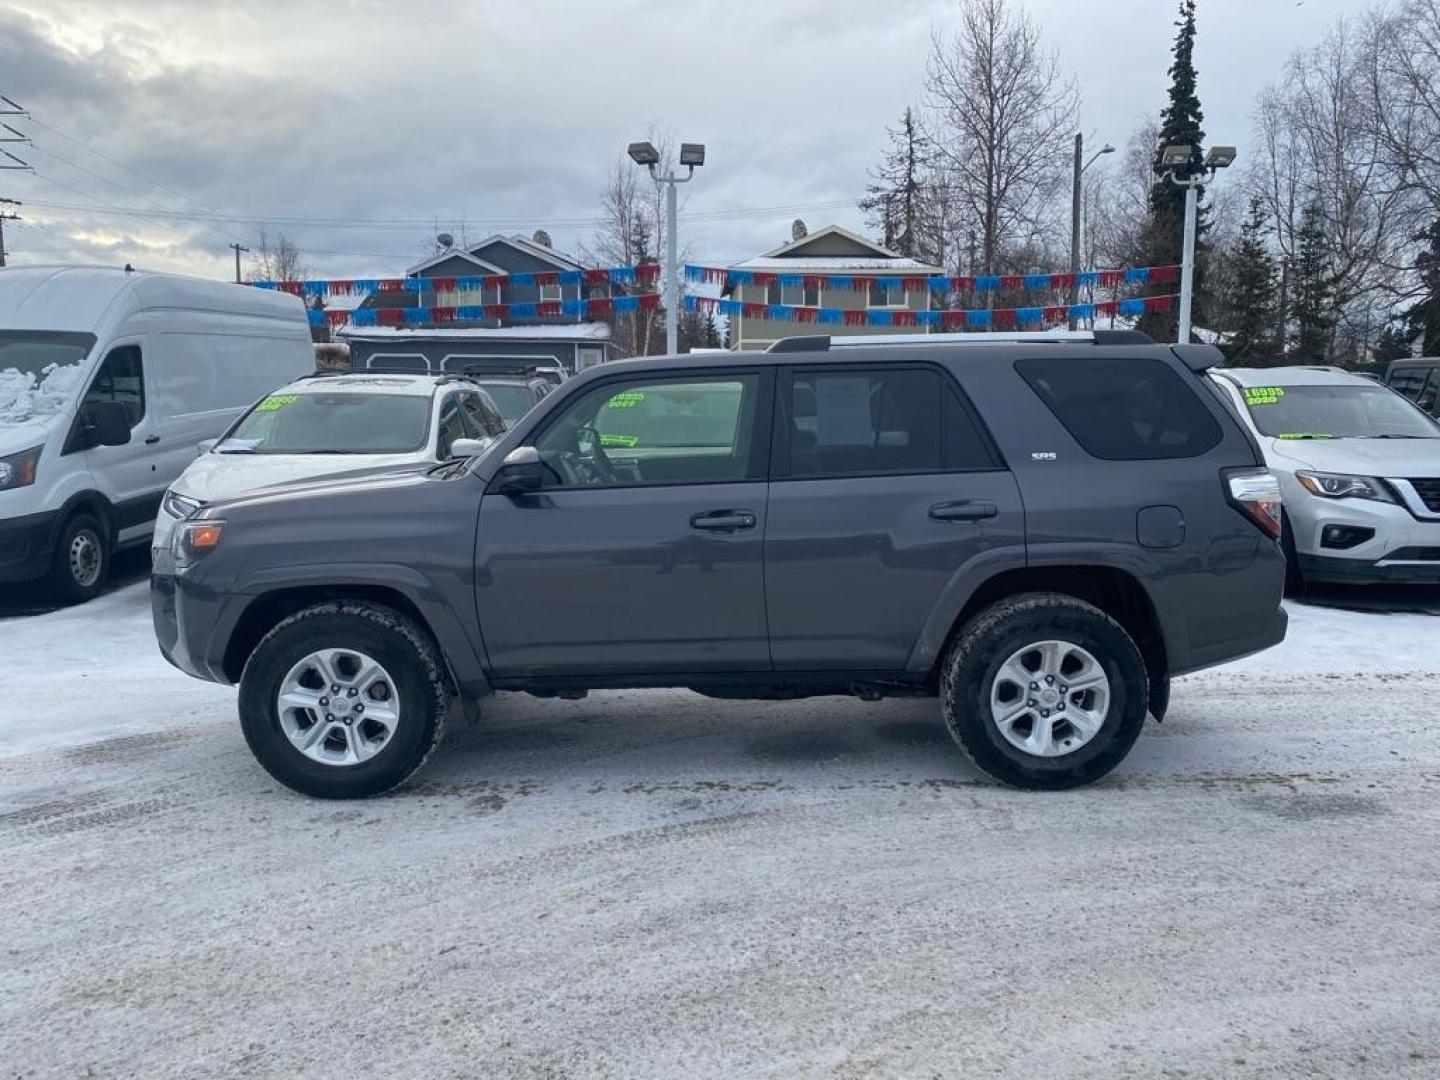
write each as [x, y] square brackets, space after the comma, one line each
[1040, 530]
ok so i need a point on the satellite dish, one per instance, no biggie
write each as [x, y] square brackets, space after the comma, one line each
[798, 231]
[542, 238]
[445, 240]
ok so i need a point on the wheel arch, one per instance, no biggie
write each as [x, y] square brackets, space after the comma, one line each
[89, 500]
[1114, 591]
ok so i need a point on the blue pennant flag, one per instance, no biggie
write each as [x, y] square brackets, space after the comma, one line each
[523, 311]
[688, 302]
[315, 288]
[416, 314]
[470, 311]
[363, 316]
[830, 316]
[987, 283]
[779, 312]
[626, 303]
[263, 284]
[789, 279]
[927, 318]
[316, 316]
[470, 283]
[840, 281]
[730, 308]
[570, 277]
[1030, 315]
[694, 273]
[366, 285]
[878, 318]
[739, 277]
[1137, 275]
[887, 282]
[1037, 281]
[573, 308]
[621, 273]
[980, 317]
[1134, 306]
[523, 279]
[1087, 277]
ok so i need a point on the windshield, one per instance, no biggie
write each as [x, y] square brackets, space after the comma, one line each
[347, 423]
[1336, 412]
[40, 371]
[511, 399]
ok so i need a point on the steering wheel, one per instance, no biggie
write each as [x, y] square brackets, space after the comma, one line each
[596, 468]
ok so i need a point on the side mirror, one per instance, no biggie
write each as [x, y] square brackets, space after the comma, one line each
[204, 446]
[521, 472]
[468, 448]
[107, 423]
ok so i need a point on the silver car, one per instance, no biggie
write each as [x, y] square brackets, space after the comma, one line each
[1359, 469]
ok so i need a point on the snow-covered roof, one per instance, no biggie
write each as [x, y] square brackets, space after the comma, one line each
[560, 332]
[838, 263]
[364, 383]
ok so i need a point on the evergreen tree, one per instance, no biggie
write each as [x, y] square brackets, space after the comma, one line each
[900, 204]
[1253, 342]
[1393, 344]
[1423, 318]
[1312, 305]
[1180, 123]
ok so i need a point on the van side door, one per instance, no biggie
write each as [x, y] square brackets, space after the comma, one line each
[126, 475]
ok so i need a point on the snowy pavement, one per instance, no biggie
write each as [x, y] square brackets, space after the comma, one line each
[655, 884]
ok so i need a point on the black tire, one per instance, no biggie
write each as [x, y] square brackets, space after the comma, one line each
[992, 637]
[69, 582]
[1295, 584]
[400, 646]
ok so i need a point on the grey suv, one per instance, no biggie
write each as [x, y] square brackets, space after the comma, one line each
[1039, 530]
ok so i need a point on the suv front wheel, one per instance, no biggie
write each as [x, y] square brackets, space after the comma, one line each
[343, 700]
[1044, 691]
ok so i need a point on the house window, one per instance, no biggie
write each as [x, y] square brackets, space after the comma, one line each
[550, 293]
[806, 295]
[882, 296]
[774, 291]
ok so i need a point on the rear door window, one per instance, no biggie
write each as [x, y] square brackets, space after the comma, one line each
[1429, 394]
[1123, 408]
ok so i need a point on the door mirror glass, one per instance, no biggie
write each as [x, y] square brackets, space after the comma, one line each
[521, 472]
[107, 423]
[468, 448]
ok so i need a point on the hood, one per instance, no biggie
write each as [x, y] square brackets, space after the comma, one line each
[1360, 457]
[224, 476]
[374, 482]
[22, 436]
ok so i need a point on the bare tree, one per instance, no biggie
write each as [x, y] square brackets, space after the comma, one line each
[1402, 77]
[1003, 112]
[277, 259]
[1323, 153]
[1117, 201]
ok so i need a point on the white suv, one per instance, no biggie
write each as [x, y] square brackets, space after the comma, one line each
[1359, 469]
[327, 423]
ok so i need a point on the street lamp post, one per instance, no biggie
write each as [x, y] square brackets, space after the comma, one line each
[1075, 212]
[692, 155]
[1178, 161]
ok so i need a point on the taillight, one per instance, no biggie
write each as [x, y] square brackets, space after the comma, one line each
[1256, 494]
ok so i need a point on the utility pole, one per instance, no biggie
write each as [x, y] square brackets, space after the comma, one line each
[4, 217]
[238, 249]
[1075, 198]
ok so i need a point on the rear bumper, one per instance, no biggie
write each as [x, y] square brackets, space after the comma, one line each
[26, 546]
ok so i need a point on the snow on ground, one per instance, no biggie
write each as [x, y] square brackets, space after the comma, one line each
[652, 884]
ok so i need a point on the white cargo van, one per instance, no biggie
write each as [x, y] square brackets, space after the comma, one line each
[108, 381]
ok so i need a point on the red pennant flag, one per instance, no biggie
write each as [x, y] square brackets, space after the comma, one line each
[548, 277]
[342, 285]
[1163, 275]
[1106, 307]
[1056, 313]
[813, 281]
[1110, 278]
[753, 311]
[649, 301]
[962, 283]
[496, 311]
[392, 284]
[1158, 303]
[805, 314]
[1012, 281]
[914, 284]
[294, 288]
[648, 271]
[548, 309]
[492, 281]
[902, 318]
[952, 319]
[442, 314]
[854, 318]
[1061, 281]
[390, 316]
[1002, 317]
[597, 305]
[443, 284]
[337, 317]
[596, 277]
[762, 277]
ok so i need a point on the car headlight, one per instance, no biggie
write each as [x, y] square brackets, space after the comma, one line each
[193, 540]
[1342, 486]
[18, 470]
[180, 507]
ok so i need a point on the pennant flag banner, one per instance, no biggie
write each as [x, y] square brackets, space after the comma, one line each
[944, 319]
[697, 274]
[644, 274]
[592, 308]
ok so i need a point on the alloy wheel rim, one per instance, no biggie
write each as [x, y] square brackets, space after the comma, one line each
[1050, 698]
[338, 707]
[85, 558]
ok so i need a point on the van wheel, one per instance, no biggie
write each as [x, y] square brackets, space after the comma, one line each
[1044, 691]
[343, 700]
[81, 561]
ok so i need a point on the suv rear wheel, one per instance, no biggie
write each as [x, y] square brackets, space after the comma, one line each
[1044, 691]
[343, 700]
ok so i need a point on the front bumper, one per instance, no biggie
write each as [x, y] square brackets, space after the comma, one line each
[1404, 546]
[26, 546]
[191, 625]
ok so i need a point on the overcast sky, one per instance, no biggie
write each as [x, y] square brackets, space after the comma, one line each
[509, 114]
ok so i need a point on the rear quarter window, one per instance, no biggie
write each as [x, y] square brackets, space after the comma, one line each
[1123, 408]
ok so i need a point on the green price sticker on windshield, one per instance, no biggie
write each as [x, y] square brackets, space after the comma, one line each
[626, 399]
[627, 441]
[1262, 395]
[277, 401]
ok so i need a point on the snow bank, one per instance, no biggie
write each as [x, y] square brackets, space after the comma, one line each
[25, 398]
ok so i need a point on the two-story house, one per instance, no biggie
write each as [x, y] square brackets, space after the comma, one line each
[830, 268]
[500, 270]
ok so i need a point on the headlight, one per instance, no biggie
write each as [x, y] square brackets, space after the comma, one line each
[1341, 486]
[18, 470]
[193, 540]
[180, 507]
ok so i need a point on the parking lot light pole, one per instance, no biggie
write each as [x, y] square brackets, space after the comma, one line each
[1075, 212]
[692, 155]
[1178, 161]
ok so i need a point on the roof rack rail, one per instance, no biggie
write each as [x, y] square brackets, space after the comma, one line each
[822, 342]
